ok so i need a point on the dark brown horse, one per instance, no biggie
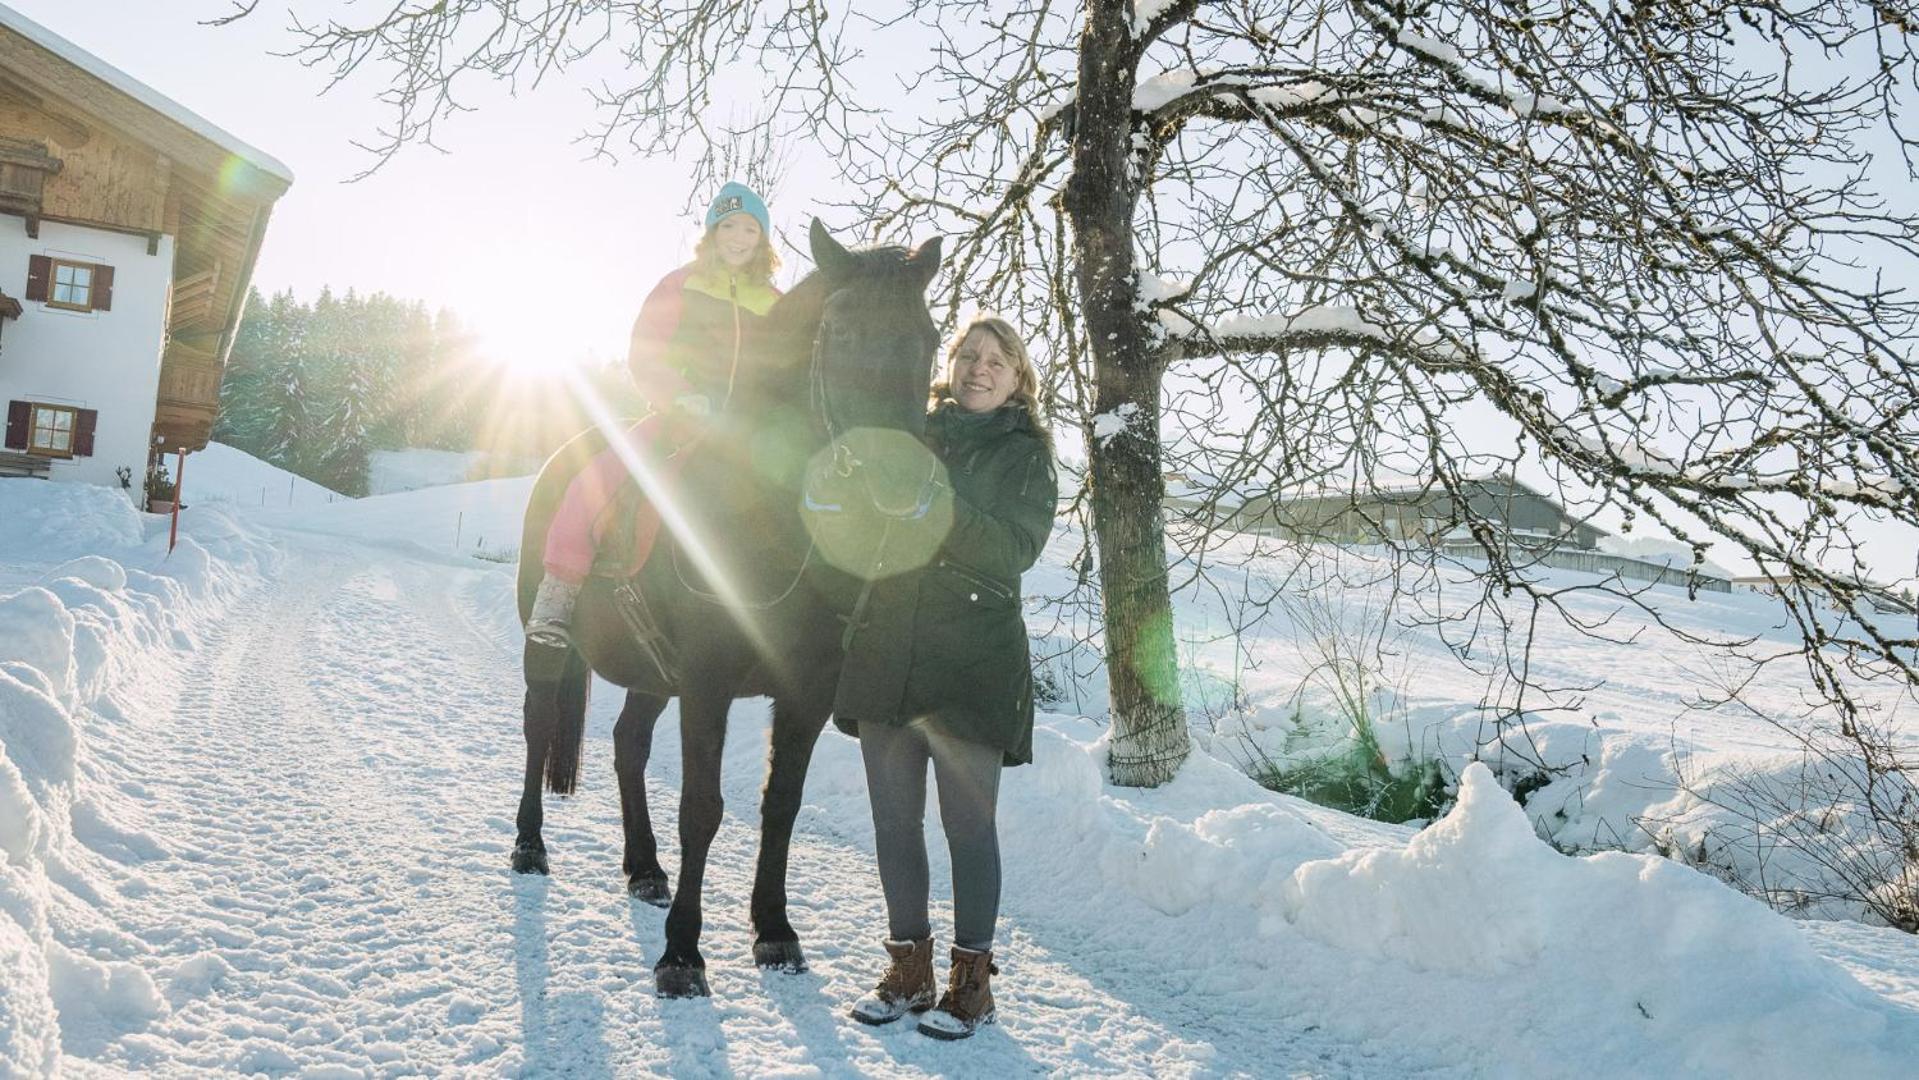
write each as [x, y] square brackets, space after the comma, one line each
[746, 604]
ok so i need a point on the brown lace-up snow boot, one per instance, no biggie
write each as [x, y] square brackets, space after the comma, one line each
[906, 987]
[968, 1001]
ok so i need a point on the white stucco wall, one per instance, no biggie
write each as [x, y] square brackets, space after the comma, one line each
[103, 360]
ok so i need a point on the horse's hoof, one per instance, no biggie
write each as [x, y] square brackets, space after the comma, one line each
[779, 955]
[676, 981]
[529, 857]
[650, 888]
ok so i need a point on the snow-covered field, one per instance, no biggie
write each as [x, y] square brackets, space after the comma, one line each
[390, 471]
[256, 802]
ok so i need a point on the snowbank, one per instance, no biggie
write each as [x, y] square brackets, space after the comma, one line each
[1668, 970]
[1621, 764]
[1469, 943]
[99, 599]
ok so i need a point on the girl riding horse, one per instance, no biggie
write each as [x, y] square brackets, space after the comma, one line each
[684, 356]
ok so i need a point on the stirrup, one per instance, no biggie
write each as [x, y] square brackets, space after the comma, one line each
[551, 635]
[544, 659]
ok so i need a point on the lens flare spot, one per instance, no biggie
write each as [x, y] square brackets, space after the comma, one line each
[844, 504]
[1154, 657]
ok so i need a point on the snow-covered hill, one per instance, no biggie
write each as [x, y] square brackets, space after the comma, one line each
[255, 804]
[237, 479]
[390, 471]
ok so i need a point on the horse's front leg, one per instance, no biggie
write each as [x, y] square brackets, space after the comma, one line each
[796, 729]
[681, 971]
[632, 746]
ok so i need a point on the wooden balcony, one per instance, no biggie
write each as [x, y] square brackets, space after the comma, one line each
[189, 399]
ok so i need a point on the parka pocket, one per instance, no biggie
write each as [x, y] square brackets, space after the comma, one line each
[978, 586]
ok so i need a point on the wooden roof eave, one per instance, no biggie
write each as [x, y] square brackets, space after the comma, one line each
[136, 109]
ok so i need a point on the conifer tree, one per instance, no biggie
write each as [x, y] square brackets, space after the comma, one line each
[242, 418]
[286, 424]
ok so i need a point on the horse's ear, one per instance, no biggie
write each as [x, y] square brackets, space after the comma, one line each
[925, 262]
[832, 259]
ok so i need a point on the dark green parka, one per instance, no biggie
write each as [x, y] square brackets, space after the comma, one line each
[947, 641]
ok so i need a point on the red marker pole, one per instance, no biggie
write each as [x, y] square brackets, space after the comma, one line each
[179, 486]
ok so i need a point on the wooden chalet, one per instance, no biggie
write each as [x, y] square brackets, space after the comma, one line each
[83, 144]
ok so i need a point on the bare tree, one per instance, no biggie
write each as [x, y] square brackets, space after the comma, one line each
[1293, 244]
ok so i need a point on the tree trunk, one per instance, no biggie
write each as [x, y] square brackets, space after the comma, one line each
[1149, 724]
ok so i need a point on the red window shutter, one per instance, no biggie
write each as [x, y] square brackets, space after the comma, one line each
[83, 426]
[102, 288]
[39, 273]
[19, 417]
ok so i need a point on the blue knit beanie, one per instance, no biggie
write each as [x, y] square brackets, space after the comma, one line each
[737, 198]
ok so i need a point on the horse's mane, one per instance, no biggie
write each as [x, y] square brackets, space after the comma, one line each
[798, 309]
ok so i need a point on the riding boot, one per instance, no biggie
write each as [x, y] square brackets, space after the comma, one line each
[906, 987]
[549, 629]
[968, 1001]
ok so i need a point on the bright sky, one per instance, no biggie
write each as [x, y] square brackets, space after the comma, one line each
[537, 248]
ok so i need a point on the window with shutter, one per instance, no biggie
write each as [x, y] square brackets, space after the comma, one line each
[52, 430]
[70, 285]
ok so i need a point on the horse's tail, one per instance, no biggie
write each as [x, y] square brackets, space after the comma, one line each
[566, 732]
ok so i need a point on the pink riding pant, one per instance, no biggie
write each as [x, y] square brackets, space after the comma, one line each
[574, 536]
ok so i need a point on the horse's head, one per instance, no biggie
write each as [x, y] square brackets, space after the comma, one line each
[873, 357]
[873, 364]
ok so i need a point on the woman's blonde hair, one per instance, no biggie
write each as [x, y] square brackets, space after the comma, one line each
[707, 262]
[1025, 390]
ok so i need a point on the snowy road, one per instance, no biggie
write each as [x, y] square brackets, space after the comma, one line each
[333, 777]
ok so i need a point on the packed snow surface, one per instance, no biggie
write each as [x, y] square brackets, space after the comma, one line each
[256, 801]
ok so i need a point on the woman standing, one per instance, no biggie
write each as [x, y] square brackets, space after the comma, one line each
[939, 674]
[684, 356]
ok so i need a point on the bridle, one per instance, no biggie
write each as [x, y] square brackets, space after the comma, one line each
[845, 462]
[845, 465]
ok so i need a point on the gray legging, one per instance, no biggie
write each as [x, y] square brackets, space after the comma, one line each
[968, 777]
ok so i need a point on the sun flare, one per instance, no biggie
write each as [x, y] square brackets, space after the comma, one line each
[526, 352]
